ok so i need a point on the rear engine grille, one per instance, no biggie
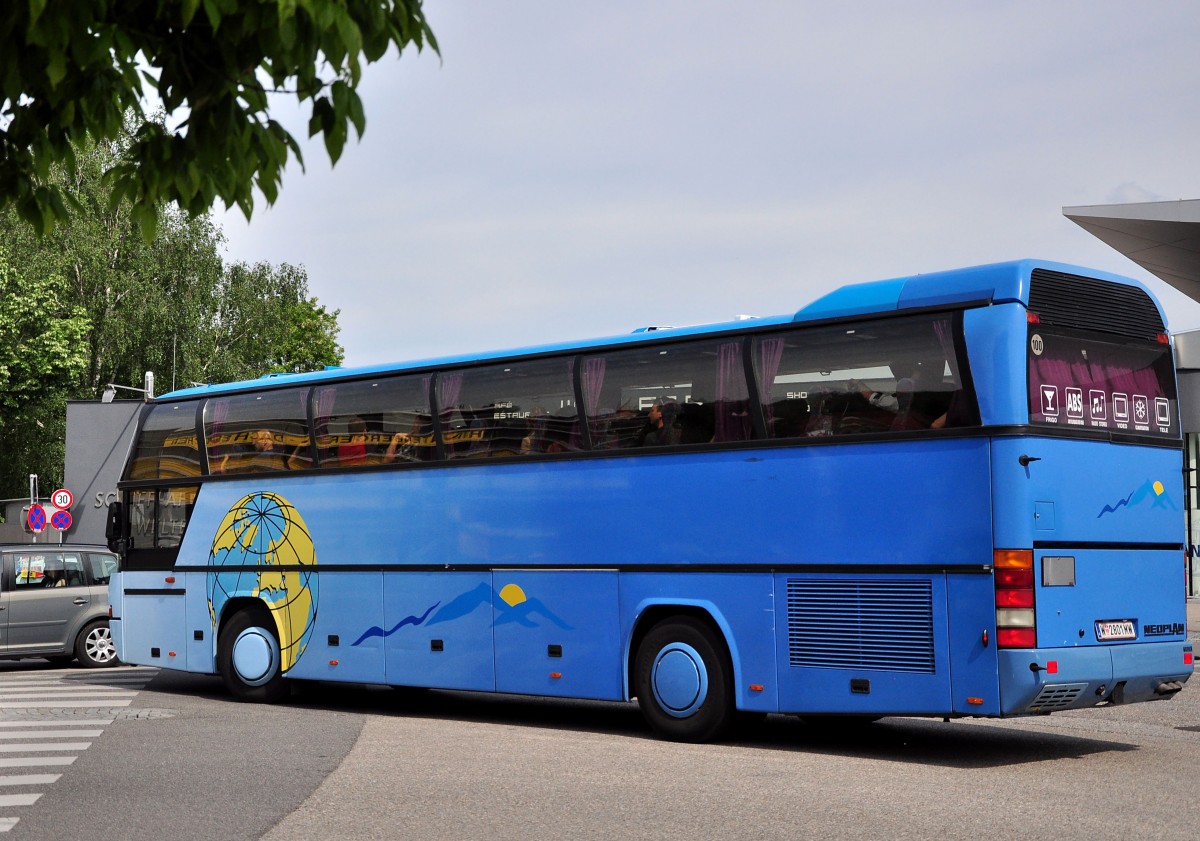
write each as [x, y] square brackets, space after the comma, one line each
[1056, 696]
[1084, 303]
[876, 625]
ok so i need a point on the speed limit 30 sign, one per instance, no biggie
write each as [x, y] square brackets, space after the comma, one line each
[62, 498]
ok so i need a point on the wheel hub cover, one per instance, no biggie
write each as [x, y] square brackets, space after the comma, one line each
[255, 656]
[680, 680]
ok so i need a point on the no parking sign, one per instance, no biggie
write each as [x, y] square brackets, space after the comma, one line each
[36, 518]
[61, 520]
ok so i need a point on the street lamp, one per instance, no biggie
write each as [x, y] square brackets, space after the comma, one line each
[110, 390]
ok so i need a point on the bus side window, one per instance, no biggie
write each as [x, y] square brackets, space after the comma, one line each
[692, 393]
[387, 420]
[876, 376]
[500, 411]
[257, 433]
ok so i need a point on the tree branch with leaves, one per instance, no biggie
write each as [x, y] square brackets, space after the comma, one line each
[70, 72]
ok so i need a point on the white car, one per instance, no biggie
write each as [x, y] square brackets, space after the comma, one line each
[54, 603]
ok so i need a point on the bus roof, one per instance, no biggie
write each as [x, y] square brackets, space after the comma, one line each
[995, 283]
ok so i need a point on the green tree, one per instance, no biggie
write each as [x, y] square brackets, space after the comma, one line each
[42, 354]
[71, 71]
[93, 302]
[261, 321]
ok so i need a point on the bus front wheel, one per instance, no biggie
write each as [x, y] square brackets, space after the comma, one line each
[683, 682]
[248, 657]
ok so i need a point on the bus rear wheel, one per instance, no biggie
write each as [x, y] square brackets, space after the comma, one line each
[248, 657]
[683, 681]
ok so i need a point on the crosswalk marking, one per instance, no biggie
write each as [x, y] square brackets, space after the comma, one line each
[61, 704]
[77, 722]
[51, 746]
[45, 741]
[56, 689]
[30, 761]
[18, 799]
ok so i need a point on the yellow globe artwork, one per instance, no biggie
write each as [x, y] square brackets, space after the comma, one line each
[263, 550]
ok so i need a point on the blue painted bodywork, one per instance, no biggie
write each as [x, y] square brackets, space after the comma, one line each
[538, 576]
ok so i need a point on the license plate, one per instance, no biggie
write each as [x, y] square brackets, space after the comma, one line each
[1117, 629]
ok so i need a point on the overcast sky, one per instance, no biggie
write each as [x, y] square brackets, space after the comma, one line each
[567, 170]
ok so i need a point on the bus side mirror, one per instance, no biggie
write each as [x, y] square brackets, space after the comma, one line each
[114, 527]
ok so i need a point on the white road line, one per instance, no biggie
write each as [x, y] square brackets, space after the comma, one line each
[52, 734]
[45, 746]
[97, 703]
[31, 736]
[72, 691]
[28, 779]
[7, 800]
[31, 761]
[5, 692]
[82, 722]
[25, 683]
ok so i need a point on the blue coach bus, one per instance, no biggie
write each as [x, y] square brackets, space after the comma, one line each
[954, 494]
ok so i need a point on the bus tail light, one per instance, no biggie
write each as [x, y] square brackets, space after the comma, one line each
[1016, 622]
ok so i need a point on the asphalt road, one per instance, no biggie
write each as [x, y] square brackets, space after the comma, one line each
[174, 758]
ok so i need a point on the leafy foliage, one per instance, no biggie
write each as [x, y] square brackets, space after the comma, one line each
[42, 352]
[41, 337]
[92, 302]
[71, 71]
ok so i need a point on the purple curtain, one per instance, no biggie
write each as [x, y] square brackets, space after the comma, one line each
[217, 412]
[733, 397]
[325, 400]
[770, 355]
[593, 383]
[449, 386]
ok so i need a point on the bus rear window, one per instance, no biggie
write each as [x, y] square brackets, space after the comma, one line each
[1090, 381]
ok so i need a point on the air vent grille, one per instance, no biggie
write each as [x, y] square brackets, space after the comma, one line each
[880, 625]
[1083, 303]
[1057, 696]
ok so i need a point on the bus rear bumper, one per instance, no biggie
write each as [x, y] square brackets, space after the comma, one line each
[1044, 680]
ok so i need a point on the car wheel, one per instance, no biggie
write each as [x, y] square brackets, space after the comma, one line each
[94, 647]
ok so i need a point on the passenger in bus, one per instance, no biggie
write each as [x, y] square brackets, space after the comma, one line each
[400, 447]
[926, 405]
[616, 429]
[354, 452]
[414, 445]
[788, 418]
[906, 383]
[262, 455]
[660, 429]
